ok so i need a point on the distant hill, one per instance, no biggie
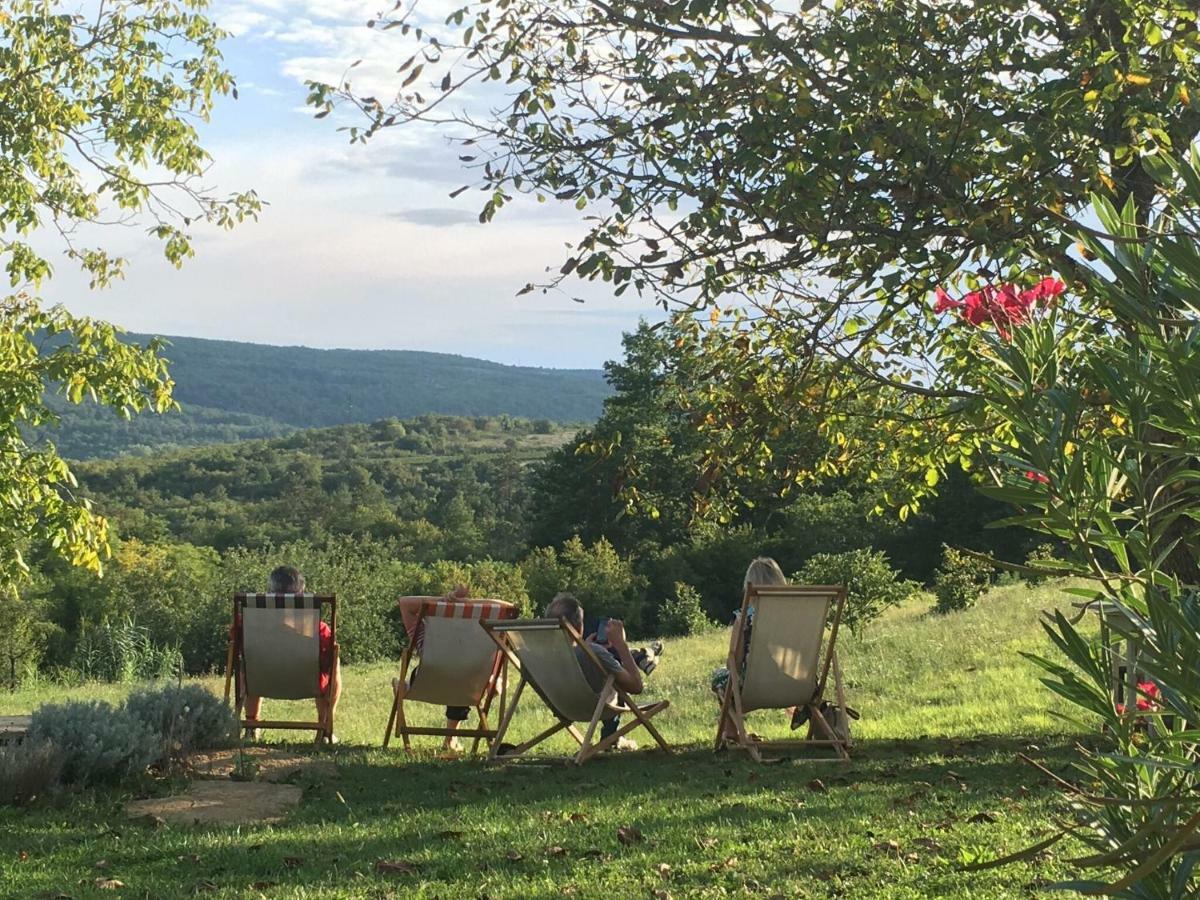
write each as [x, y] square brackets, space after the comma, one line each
[234, 391]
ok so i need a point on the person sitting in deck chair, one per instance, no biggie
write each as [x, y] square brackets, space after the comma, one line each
[615, 656]
[761, 572]
[288, 580]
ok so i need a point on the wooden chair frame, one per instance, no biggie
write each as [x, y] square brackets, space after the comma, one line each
[398, 726]
[731, 703]
[587, 750]
[235, 666]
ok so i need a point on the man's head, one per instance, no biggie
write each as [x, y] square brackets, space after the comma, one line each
[286, 580]
[565, 606]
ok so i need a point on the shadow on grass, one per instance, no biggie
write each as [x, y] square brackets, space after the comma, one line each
[465, 824]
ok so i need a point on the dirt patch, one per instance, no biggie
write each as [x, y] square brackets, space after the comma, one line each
[267, 763]
[220, 803]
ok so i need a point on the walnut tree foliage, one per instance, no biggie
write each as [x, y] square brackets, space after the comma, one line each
[99, 108]
[808, 172]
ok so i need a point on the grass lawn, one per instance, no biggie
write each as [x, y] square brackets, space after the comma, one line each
[947, 703]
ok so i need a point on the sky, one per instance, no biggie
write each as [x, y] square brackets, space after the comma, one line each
[359, 246]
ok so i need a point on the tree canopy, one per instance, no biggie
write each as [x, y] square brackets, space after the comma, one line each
[811, 174]
[99, 126]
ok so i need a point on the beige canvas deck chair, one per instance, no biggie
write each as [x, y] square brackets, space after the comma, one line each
[787, 664]
[459, 665]
[544, 652]
[276, 653]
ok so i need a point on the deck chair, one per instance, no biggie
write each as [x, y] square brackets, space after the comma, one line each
[276, 653]
[787, 664]
[544, 652]
[459, 664]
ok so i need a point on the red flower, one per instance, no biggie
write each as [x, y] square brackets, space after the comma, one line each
[1037, 476]
[1003, 306]
[944, 302]
[1146, 703]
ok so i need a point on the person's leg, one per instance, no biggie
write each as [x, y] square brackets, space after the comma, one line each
[252, 710]
[455, 715]
[327, 705]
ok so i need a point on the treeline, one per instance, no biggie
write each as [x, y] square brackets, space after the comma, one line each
[512, 508]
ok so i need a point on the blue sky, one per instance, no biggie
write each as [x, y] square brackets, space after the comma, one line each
[359, 246]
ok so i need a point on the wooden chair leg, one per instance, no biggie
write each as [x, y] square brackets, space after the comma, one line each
[402, 725]
[506, 719]
[483, 724]
[228, 670]
[387, 734]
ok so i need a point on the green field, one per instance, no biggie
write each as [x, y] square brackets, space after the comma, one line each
[947, 705]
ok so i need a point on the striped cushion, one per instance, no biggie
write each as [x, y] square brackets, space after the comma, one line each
[281, 601]
[440, 607]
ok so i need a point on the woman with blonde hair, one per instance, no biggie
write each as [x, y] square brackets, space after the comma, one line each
[761, 571]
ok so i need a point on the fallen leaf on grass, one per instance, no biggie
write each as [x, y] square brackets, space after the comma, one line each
[262, 885]
[928, 844]
[729, 863]
[594, 853]
[100, 864]
[627, 835]
[22, 855]
[664, 870]
[556, 851]
[707, 843]
[190, 857]
[204, 887]
[982, 818]
[395, 867]
[108, 884]
[891, 848]
[578, 817]
[818, 786]
[450, 835]
[660, 894]
[514, 856]
[293, 862]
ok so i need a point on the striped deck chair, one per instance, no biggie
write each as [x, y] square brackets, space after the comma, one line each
[787, 664]
[544, 650]
[276, 652]
[458, 664]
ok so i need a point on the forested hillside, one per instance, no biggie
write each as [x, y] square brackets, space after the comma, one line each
[439, 486]
[233, 391]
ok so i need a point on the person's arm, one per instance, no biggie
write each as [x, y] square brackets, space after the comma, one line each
[629, 679]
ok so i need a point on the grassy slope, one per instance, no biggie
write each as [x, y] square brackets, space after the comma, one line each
[946, 702]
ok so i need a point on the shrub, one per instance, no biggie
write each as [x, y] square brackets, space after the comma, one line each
[1045, 556]
[683, 612]
[187, 717]
[28, 770]
[960, 580]
[99, 743]
[872, 585]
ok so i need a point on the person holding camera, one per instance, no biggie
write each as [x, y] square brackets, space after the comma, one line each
[611, 649]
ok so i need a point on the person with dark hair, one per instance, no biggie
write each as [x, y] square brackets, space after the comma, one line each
[614, 655]
[288, 580]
